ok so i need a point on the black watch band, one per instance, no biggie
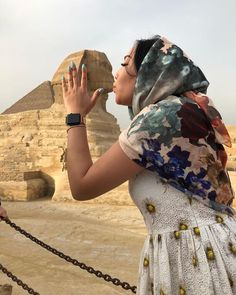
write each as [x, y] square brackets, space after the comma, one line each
[74, 119]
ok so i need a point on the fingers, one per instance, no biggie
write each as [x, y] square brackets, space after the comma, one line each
[64, 85]
[84, 81]
[96, 95]
[74, 83]
[70, 77]
[74, 74]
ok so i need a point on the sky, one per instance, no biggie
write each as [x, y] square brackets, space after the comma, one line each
[36, 36]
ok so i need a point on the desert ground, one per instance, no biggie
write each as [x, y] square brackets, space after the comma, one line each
[106, 237]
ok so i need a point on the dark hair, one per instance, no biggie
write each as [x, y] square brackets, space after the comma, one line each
[142, 48]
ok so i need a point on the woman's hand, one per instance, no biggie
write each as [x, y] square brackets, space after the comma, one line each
[76, 97]
[3, 213]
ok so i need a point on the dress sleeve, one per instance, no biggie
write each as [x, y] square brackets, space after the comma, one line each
[150, 134]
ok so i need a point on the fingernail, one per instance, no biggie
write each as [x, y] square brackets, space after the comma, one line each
[72, 65]
[83, 66]
[101, 90]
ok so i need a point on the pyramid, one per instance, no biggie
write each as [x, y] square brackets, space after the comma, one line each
[39, 98]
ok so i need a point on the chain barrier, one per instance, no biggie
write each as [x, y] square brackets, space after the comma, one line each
[18, 281]
[83, 266]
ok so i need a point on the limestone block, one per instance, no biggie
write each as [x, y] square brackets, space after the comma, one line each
[231, 152]
[5, 127]
[5, 289]
[62, 188]
[232, 175]
[26, 137]
[46, 162]
[23, 190]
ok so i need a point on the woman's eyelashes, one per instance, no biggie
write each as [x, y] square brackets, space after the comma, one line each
[126, 62]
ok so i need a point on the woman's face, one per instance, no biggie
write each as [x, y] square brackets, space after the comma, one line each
[125, 80]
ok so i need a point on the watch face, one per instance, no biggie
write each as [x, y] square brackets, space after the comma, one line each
[73, 119]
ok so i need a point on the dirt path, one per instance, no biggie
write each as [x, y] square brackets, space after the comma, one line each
[109, 238]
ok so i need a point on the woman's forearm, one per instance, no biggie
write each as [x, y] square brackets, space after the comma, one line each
[78, 101]
[78, 158]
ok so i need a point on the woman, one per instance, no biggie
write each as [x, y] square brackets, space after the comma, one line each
[172, 154]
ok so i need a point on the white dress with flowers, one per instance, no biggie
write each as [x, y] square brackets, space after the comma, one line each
[191, 242]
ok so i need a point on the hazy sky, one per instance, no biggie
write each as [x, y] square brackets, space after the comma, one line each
[36, 35]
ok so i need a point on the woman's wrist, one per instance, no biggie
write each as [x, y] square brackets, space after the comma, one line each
[81, 114]
[75, 126]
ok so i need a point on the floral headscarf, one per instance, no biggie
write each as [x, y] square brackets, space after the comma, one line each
[166, 70]
[176, 131]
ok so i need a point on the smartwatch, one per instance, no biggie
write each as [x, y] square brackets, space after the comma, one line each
[74, 119]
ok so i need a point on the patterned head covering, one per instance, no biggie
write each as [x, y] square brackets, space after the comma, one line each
[165, 71]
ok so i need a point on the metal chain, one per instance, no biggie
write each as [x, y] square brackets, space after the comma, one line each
[18, 281]
[75, 262]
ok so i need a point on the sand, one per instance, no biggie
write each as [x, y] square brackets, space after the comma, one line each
[108, 238]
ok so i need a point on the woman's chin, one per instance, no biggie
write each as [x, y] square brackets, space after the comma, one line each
[121, 101]
[118, 100]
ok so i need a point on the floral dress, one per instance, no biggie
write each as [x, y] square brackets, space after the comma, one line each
[185, 197]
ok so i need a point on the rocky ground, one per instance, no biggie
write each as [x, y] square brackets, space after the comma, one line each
[107, 237]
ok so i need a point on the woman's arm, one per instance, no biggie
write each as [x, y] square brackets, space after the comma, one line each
[88, 180]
